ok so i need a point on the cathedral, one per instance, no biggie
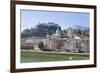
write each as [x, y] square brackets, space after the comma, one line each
[62, 43]
[67, 42]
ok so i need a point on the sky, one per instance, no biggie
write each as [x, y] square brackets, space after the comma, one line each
[30, 18]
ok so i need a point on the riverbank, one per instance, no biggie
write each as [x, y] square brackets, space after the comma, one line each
[33, 56]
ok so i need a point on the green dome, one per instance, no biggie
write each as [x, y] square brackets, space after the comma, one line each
[58, 31]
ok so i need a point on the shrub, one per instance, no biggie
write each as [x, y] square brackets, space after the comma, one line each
[41, 45]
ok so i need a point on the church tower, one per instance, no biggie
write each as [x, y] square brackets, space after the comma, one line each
[58, 32]
[70, 32]
[48, 36]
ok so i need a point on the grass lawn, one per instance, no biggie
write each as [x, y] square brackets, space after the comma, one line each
[46, 57]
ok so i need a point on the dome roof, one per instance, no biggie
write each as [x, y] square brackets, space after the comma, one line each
[58, 31]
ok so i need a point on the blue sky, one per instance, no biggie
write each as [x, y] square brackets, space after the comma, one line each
[30, 18]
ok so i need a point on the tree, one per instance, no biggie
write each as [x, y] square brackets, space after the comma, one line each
[41, 45]
[64, 31]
